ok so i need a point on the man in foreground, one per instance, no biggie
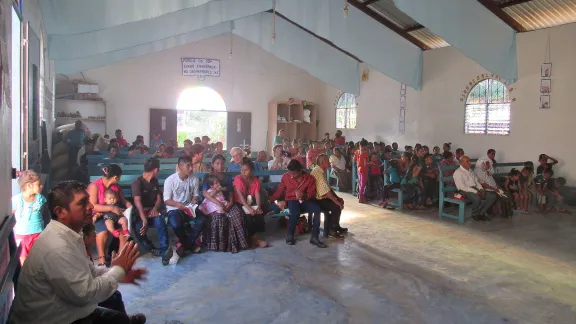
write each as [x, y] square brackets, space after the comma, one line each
[58, 282]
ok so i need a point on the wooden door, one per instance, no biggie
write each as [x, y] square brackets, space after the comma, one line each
[165, 123]
[239, 130]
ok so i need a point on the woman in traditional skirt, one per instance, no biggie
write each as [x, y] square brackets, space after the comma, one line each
[247, 197]
[226, 232]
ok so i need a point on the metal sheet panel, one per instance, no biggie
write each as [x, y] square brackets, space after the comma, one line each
[429, 38]
[540, 14]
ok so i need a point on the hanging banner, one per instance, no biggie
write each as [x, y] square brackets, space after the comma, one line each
[200, 67]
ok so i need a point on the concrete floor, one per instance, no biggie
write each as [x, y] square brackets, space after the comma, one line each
[393, 268]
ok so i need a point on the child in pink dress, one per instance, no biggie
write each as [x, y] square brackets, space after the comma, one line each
[208, 207]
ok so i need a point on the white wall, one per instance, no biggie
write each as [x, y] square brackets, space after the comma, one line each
[247, 83]
[436, 115]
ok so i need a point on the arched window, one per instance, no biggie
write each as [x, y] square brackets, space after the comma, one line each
[346, 111]
[201, 111]
[488, 109]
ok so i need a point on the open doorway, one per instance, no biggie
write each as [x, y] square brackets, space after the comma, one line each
[15, 67]
[201, 111]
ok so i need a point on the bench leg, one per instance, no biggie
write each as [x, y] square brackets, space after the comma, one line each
[441, 207]
[400, 199]
[461, 213]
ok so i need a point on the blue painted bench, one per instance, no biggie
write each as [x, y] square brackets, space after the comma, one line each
[445, 194]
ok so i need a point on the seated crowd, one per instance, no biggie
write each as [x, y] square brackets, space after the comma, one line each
[61, 282]
[416, 172]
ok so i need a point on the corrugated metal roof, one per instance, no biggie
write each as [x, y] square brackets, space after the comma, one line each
[538, 14]
[427, 37]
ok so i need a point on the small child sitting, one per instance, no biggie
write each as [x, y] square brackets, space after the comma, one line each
[208, 206]
[547, 191]
[112, 220]
[275, 207]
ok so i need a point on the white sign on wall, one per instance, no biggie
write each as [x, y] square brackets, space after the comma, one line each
[200, 67]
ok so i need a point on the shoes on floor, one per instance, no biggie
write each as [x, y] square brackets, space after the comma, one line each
[137, 318]
[167, 255]
[335, 234]
[315, 240]
[290, 240]
[341, 229]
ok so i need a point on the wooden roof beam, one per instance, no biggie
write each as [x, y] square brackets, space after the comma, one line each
[496, 10]
[390, 25]
[512, 3]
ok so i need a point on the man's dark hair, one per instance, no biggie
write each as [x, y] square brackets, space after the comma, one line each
[491, 151]
[184, 159]
[447, 154]
[197, 140]
[187, 140]
[62, 194]
[151, 164]
[459, 151]
[218, 157]
[294, 165]
[118, 130]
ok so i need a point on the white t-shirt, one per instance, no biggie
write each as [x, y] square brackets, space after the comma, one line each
[340, 163]
[281, 166]
[181, 190]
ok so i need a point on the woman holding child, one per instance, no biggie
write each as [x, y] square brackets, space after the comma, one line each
[247, 197]
[226, 220]
[96, 190]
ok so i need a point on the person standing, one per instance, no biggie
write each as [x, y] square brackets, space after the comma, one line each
[58, 283]
[75, 139]
[300, 190]
[327, 200]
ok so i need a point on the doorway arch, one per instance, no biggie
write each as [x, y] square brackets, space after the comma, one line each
[201, 111]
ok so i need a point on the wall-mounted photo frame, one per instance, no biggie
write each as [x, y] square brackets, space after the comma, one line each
[545, 86]
[544, 101]
[546, 70]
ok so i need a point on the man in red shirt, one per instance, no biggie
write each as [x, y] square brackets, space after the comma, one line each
[120, 139]
[300, 190]
[313, 152]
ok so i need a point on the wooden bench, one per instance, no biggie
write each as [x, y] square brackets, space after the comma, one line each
[446, 193]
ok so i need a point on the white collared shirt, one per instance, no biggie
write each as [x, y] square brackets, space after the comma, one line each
[58, 282]
[466, 180]
[179, 190]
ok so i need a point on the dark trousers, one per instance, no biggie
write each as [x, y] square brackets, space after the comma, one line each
[186, 233]
[480, 206]
[158, 223]
[254, 224]
[103, 315]
[114, 302]
[307, 206]
[413, 194]
[332, 214]
[430, 190]
[388, 189]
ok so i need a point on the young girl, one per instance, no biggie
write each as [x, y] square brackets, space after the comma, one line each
[437, 157]
[544, 159]
[362, 163]
[512, 185]
[411, 185]
[114, 221]
[208, 207]
[527, 182]
[375, 178]
[31, 212]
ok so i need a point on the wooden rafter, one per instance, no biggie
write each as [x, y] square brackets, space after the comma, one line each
[496, 10]
[318, 37]
[512, 3]
[369, 2]
[390, 25]
[414, 28]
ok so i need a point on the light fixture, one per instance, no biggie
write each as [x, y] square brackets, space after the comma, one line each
[345, 9]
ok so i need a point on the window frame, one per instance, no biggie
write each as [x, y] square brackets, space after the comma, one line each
[347, 110]
[488, 101]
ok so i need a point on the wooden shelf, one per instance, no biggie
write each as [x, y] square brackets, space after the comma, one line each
[291, 111]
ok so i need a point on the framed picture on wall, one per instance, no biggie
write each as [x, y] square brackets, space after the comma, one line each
[544, 101]
[545, 86]
[546, 70]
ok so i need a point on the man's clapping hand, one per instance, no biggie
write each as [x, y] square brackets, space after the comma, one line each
[127, 256]
[133, 275]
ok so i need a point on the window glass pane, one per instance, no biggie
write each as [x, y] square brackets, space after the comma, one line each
[352, 118]
[341, 118]
[498, 119]
[341, 101]
[475, 119]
